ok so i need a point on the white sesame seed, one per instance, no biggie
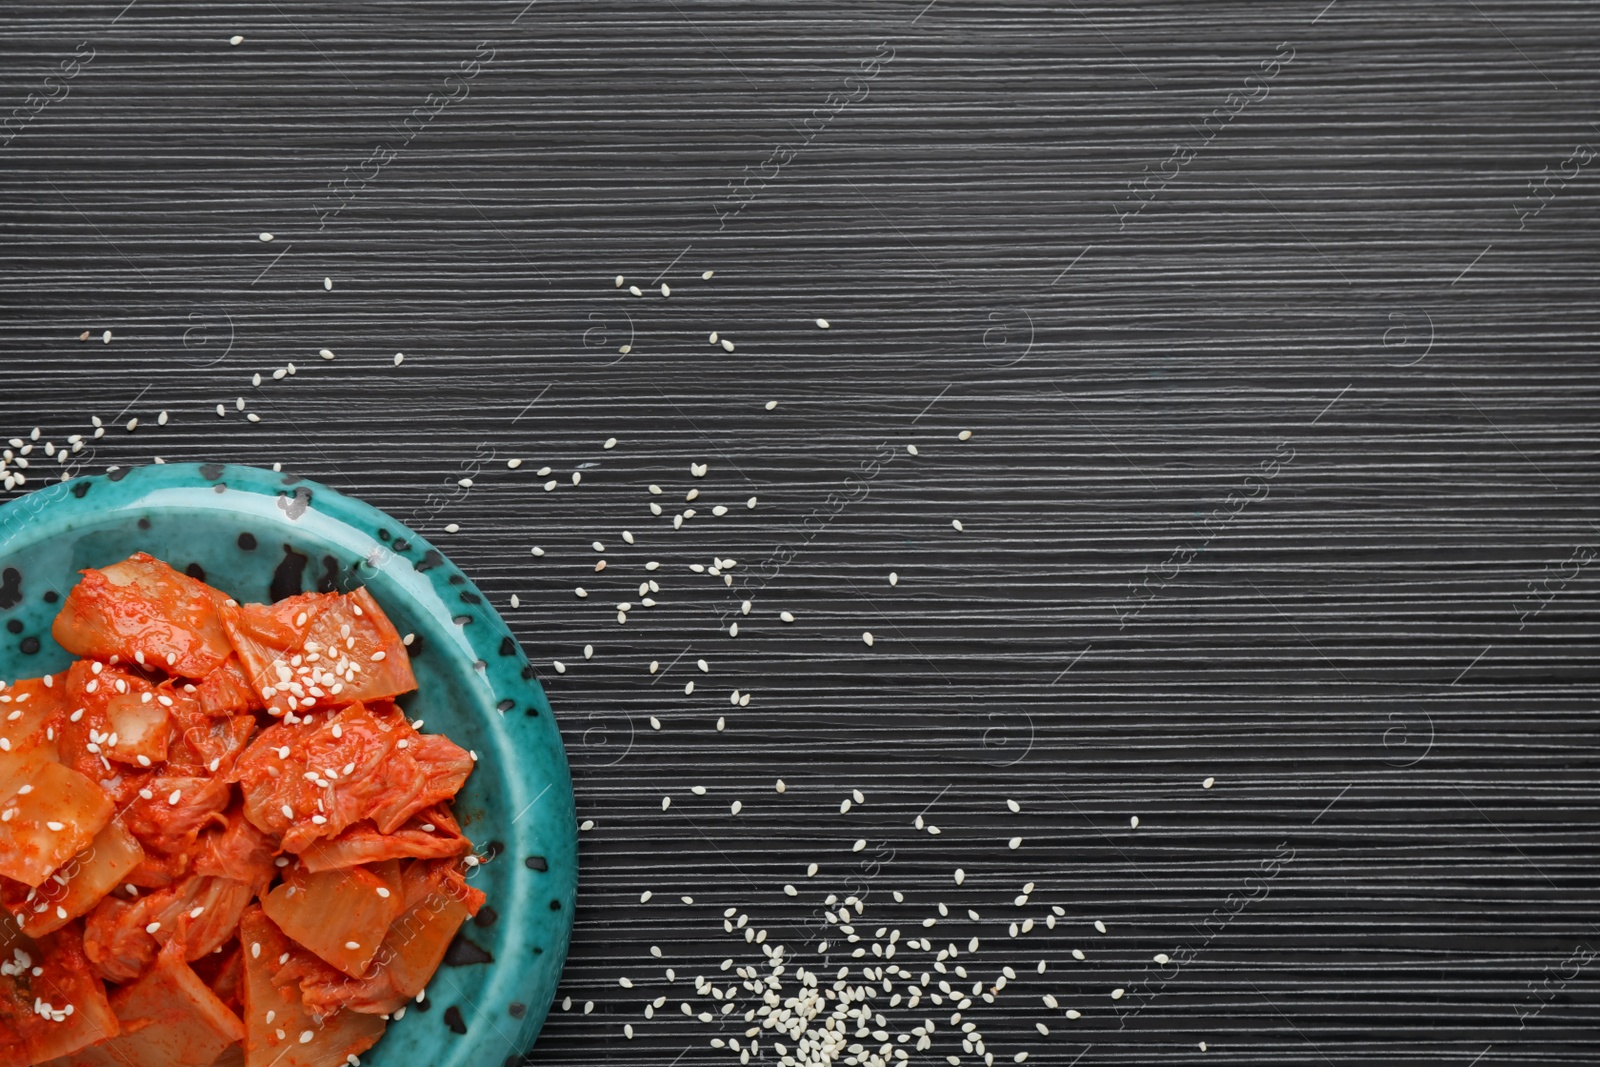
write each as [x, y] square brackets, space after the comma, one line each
[707, 275]
[866, 636]
[822, 324]
[790, 891]
[771, 404]
[619, 281]
[860, 844]
[698, 790]
[912, 450]
[561, 668]
[1100, 926]
[666, 802]
[961, 876]
[516, 601]
[399, 358]
[956, 523]
[1208, 783]
[236, 40]
[780, 787]
[786, 616]
[665, 290]
[727, 345]
[265, 236]
[175, 796]
[1073, 1013]
[588, 652]
[327, 283]
[644, 898]
[1134, 822]
[811, 871]
[325, 353]
[721, 722]
[628, 537]
[703, 665]
[582, 592]
[751, 503]
[635, 290]
[1116, 994]
[688, 688]
[736, 807]
[577, 476]
[56, 826]
[1015, 842]
[536, 550]
[1014, 806]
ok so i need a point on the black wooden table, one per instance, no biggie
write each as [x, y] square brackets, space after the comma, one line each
[1274, 329]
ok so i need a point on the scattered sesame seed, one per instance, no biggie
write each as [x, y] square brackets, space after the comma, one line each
[399, 358]
[236, 40]
[665, 289]
[956, 523]
[707, 275]
[912, 449]
[867, 637]
[327, 283]
[1134, 822]
[561, 668]
[619, 281]
[780, 787]
[611, 442]
[698, 790]
[644, 898]
[736, 807]
[1015, 842]
[786, 616]
[961, 876]
[860, 844]
[727, 345]
[516, 601]
[56, 826]
[1208, 783]
[264, 236]
[705, 667]
[1100, 926]
[688, 688]
[1014, 806]
[666, 802]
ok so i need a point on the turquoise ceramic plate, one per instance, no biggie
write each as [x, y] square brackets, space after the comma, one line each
[258, 535]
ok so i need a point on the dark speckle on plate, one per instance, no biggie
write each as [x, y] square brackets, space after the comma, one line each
[536, 863]
[330, 575]
[288, 579]
[14, 625]
[247, 541]
[51, 596]
[29, 646]
[10, 588]
[430, 559]
[80, 489]
[517, 1009]
[195, 571]
[486, 916]
[144, 523]
[464, 953]
[453, 1019]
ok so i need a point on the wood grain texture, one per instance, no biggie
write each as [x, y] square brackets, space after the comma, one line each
[1287, 477]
